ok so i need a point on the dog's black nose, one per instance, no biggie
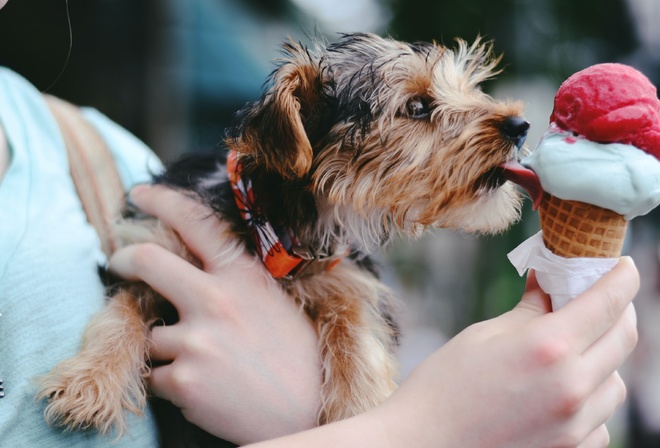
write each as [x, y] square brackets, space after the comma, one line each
[515, 128]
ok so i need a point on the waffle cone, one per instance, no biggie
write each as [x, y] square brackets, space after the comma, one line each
[575, 229]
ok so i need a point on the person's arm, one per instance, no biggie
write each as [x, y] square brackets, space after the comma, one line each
[519, 380]
[526, 379]
[238, 333]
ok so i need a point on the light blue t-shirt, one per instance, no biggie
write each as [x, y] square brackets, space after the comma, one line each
[49, 286]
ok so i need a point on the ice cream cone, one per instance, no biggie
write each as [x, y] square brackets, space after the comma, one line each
[601, 152]
[574, 229]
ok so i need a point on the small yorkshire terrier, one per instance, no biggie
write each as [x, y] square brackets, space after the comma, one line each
[350, 145]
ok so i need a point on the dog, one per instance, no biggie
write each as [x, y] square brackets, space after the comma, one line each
[351, 144]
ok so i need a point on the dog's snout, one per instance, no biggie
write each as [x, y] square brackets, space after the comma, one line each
[515, 128]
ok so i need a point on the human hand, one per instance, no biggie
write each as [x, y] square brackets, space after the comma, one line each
[243, 359]
[529, 378]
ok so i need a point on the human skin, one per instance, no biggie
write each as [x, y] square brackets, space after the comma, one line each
[529, 378]
[266, 364]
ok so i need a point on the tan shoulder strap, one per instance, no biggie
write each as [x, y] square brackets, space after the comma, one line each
[92, 168]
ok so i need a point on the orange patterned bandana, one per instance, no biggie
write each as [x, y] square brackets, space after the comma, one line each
[281, 252]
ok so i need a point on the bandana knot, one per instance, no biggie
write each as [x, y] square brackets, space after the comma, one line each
[280, 250]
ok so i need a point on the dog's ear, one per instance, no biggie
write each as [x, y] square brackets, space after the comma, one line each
[275, 129]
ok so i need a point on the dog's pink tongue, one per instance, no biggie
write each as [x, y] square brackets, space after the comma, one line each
[526, 178]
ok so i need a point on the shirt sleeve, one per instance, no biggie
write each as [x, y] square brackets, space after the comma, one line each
[135, 161]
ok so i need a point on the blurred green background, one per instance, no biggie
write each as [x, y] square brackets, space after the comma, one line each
[174, 71]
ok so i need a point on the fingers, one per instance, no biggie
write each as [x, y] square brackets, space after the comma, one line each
[612, 349]
[585, 319]
[531, 283]
[161, 384]
[534, 299]
[166, 343]
[606, 399]
[599, 438]
[181, 213]
[584, 426]
[147, 262]
[602, 404]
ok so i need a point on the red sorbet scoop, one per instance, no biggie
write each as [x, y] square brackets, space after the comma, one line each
[610, 103]
[605, 103]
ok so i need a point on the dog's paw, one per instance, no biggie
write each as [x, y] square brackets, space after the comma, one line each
[86, 395]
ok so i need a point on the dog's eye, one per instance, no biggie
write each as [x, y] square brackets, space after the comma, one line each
[417, 107]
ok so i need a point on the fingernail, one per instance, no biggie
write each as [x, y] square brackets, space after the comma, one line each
[627, 259]
[137, 190]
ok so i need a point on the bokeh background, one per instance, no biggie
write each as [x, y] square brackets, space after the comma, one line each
[174, 71]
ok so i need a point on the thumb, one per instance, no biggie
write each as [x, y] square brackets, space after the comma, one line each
[534, 300]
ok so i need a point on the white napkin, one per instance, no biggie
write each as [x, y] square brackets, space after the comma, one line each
[562, 278]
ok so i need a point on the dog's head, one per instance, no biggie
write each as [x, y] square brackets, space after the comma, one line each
[388, 136]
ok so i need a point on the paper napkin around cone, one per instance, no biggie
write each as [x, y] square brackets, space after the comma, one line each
[562, 278]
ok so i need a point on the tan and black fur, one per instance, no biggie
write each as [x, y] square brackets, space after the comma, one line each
[350, 145]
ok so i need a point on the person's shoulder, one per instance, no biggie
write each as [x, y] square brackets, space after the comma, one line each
[12, 79]
[6, 72]
[135, 160]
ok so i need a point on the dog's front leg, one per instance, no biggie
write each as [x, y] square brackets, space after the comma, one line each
[94, 388]
[357, 352]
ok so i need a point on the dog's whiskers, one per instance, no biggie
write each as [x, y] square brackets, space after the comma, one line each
[350, 145]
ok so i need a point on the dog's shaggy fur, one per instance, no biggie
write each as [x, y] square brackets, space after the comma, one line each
[350, 145]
